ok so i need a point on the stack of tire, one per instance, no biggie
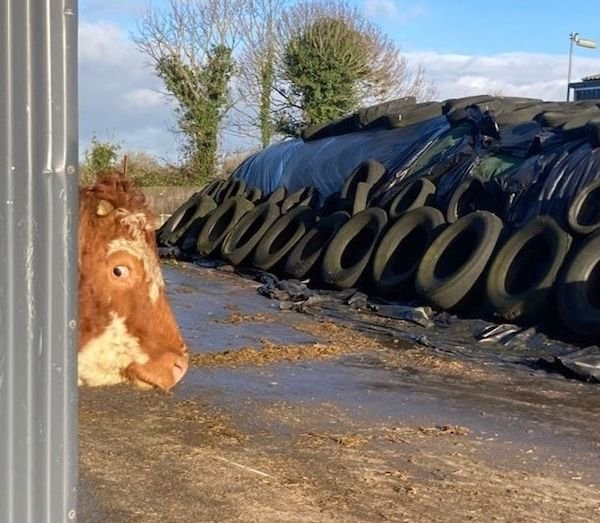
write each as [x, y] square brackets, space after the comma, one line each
[405, 241]
[579, 286]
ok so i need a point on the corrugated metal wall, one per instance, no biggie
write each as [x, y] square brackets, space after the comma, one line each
[38, 264]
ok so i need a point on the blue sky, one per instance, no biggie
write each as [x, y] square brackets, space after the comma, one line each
[487, 27]
[454, 26]
[466, 47]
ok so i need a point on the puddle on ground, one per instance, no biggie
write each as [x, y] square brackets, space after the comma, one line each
[216, 313]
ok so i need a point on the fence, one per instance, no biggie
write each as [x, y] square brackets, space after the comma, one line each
[38, 273]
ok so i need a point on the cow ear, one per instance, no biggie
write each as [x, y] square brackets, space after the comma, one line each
[104, 207]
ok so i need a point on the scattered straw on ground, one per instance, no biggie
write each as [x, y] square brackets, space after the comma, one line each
[352, 340]
[445, 430]
[407, 434]
[334, 341]
[343, 440]
[236, 317]
[269, 353]
[391, 434]
[424, 361]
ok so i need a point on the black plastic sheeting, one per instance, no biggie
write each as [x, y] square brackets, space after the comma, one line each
[535, 167]
[326, 163]
[477, 339]
[469, 338]
[548, 182]
[529, 169]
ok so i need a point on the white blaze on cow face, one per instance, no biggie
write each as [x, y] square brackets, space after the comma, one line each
[139, 248]
[102, 359]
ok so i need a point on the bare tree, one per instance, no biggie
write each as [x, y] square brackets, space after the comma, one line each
[191, 45]
[257, 67]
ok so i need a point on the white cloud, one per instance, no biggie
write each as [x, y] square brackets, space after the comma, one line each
[102, 44]
[119, 95]
[533, 75]
[392, 11]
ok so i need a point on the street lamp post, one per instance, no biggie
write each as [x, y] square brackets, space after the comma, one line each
[574, 38]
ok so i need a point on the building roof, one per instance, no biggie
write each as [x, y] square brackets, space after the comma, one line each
[587, 82]
[591, 78]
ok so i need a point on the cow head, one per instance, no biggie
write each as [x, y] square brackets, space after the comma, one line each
[127, 332]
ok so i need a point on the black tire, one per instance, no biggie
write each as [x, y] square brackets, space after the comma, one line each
[187, 235]
[401, 248]
[471, 195]
[460, 103]
[519, 115]
[211, 188]
[369, 171]
[459, 116]
[415, 193]
[583, 215]
[578, 291]
[452, 267]
[361, 197]
[520, 281]
[373, 116]
[246, 234]
[305, 197]
[310, 248]
[282, 236]
[348, 124]
[277, 196]
[254, 195]
[387, 192]
[220, 222]
[507, 104]
[350, 250]
[561, 118]
[236, 187]
[218, 194]
[334, 203]
[578, 127]
[181, 214]
[414, 114]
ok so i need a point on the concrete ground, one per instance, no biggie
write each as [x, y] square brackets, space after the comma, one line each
[286, 417]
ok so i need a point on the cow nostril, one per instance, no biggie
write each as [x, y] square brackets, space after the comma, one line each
[178, 373]
[180, 366]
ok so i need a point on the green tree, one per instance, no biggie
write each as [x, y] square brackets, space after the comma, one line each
[332, 61]
[202, 97]
[191, 45]
[325, 72]
[102, 155]
[257, 68]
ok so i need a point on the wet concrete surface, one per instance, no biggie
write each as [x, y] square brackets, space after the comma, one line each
[546, 425]
[215, 313]
[373, 431]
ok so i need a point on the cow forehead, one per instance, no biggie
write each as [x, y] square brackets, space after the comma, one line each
[136, 222]
[139, 247]
[102, 359]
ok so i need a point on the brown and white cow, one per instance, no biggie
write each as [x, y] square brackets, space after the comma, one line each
[127, 332]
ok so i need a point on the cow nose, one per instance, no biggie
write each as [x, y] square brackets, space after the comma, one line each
[180, 366]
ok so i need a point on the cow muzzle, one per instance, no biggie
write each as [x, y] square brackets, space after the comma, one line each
[163, 372]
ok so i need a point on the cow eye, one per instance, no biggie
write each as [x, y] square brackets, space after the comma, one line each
[121, 271]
